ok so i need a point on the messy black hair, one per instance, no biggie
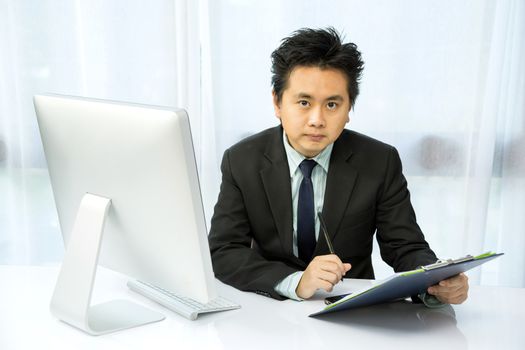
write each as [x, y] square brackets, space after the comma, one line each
[321, 48]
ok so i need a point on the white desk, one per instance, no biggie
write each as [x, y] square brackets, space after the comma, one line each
[492, 318]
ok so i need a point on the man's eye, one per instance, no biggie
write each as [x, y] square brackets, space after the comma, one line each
[304, 103]
[331, 105]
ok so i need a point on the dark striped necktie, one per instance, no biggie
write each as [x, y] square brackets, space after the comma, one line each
[305, 213]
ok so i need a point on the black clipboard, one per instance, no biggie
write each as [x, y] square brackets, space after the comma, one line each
[406, 284]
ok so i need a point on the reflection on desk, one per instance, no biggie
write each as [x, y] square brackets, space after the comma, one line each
[399, 316]
[491, 318]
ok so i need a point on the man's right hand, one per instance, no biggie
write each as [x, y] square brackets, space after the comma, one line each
[323, 272]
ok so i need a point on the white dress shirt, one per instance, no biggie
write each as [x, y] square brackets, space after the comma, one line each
[288, 285]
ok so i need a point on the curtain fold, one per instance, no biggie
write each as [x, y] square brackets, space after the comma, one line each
[492, 184]
[509, 155]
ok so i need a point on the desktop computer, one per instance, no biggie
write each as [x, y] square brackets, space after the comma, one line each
[126, 188]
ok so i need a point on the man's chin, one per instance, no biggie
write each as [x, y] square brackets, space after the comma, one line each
[311, 152]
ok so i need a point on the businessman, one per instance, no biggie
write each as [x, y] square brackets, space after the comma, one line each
[265, 231]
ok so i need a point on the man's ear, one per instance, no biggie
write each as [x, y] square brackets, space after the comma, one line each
[348, 114]
[276, 105]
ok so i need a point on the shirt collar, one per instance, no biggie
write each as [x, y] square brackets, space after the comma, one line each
[295, 158]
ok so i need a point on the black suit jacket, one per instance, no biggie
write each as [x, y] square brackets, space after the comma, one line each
[366, 192]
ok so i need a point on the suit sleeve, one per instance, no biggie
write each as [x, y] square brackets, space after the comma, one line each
[402, 244]
[234, 261]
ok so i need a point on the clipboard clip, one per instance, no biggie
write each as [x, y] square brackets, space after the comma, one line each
[446, 262]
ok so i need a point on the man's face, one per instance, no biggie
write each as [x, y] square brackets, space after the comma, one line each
[314, 108]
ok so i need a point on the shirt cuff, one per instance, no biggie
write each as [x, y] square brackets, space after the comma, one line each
[430, 301]
[288, 285]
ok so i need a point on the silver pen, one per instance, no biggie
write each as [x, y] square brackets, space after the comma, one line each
[325, 232]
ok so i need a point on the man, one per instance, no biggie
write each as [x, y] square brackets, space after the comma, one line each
[264, 233]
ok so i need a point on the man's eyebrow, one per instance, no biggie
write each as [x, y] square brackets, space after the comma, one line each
[303, 95]
[329, 98]
[335, 98]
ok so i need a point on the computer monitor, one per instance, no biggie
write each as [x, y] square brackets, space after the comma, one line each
[126, 172]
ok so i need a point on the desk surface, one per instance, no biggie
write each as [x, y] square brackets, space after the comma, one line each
[492, 318]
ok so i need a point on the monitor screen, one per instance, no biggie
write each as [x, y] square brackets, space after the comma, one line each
[141, 158]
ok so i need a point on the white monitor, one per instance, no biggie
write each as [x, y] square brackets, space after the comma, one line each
[126, 172]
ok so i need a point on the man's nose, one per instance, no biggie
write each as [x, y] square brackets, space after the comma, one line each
[316, 118]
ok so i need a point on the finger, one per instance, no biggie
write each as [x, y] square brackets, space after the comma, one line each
[328, 276]
[443, 292]
[437, 288]
[321, 280]
[327, 286]
[332, 258]
[450, 295]
[453, 298]
[325, 274]
[332, 267]
[460, 280]
[331, 263]
[343, 267]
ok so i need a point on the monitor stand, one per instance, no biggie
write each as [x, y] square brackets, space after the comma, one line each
[71, 301]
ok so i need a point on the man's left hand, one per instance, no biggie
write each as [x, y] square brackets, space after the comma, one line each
[453, 290]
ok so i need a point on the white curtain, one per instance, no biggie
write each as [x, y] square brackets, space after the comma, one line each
[444, 82]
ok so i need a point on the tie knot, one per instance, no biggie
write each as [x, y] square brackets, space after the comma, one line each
[307, 166]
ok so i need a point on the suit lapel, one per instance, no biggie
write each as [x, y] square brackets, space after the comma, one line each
[276, 182]
[339, 186]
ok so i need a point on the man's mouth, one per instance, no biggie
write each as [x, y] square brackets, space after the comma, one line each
[315, 137]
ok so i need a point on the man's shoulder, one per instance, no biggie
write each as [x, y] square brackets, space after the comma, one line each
[259, 143]
[358, 142]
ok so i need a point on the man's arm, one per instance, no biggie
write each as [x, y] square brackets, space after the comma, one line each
[401, 241]
[234, 261]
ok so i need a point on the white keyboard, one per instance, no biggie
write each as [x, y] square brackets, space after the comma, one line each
[186, 307]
